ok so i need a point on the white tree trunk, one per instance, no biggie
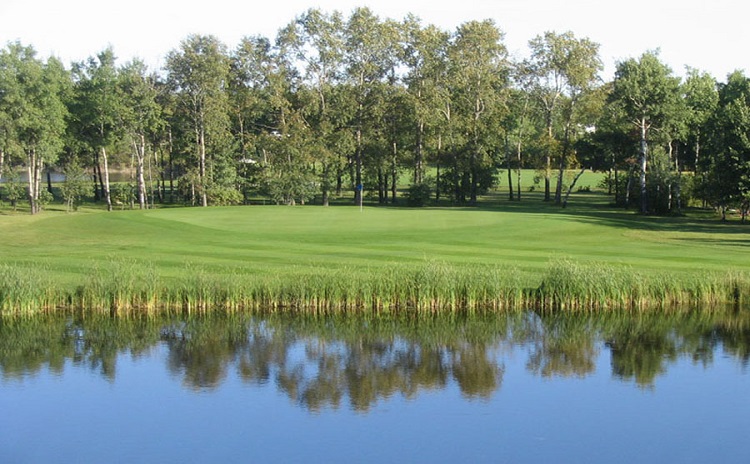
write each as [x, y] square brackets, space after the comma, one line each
[572, 185]
[107, 192]
[30, 167]
[38, 181]
[644, 163]
[202, 148]
[140, 155]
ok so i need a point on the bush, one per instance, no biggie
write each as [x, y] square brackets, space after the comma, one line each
[14, 190]
[75, 186]
[418, 194]
[122, 195]
[224, 196]
[45, 198]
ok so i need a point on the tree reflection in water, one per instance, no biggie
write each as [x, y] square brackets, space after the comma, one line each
[324, 362]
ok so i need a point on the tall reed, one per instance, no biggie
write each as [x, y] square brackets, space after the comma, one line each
[427, 287]
[120, 284]
[568, 284]
[25, 290]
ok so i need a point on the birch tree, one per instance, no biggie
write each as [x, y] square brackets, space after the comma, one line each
[479, 81]
[369, 56]
[564, 68]
[426, 82]
[317, 41]
[645, 90]
[141, 117]
[32, 94]
[96, 110]
[727, 164]
[198, 73]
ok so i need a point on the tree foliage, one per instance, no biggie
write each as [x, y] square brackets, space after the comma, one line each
[32, 100]
[337, 105]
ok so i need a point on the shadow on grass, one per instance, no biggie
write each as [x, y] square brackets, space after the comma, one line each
[597, 208]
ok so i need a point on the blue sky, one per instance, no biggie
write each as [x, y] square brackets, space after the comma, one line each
[710, 36]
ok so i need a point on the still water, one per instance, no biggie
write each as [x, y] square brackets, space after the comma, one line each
[523, 387]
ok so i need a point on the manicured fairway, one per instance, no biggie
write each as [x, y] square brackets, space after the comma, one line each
[289, 240]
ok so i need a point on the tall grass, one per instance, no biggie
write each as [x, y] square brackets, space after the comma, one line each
[571, 285]
[120, 284]
[24, 290]
[429, 287]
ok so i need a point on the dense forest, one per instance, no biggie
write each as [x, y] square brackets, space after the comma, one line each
[348, 106]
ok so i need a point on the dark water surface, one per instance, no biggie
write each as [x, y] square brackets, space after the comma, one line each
[514, 388]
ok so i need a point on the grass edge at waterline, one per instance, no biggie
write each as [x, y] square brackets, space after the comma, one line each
[571, 285]
[430, 287]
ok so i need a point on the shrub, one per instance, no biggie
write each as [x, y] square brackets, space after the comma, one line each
[418, 194]
[223, 196]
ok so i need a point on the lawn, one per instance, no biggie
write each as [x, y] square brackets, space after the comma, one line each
[274, 238]
[522, 237]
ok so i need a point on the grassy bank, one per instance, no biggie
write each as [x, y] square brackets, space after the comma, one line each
[432, 287]
[340, 258]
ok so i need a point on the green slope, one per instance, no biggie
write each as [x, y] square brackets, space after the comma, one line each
[272, 239]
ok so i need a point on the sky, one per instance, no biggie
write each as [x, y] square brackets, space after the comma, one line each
[710, 36]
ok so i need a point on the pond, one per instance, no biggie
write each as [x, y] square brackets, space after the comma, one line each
[518, 387]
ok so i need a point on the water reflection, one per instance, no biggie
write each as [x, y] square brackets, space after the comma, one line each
[326, 362]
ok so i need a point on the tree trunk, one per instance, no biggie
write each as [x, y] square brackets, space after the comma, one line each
[171, 166]
[473, 177]
[98, 179]
[548, 159]
[617, 184]
[518, 169]
[325, 184]
[161, 181]
[105, 180]
[38, 172]
[437, 183]
[547, 171]
[394, 173]
[202, 167]
[473, 184]
[394, 183]
[561, 169]
[437, 174]
[519, 146]
[358, 187]
[382, 196]
[30, 169]
[419, 155]
[644, 163]
[510, 169]
[572, 185]
[628, 186]
[560, 180]
[151, 180]
[140, 158]
[697, 150]
[678, 188]
[670, 186]
[564, 156]
[38, 181]
[456, 182]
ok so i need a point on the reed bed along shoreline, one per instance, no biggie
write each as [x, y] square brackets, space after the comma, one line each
[566, 285]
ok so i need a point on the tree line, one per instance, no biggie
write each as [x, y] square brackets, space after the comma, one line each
[341, 104]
